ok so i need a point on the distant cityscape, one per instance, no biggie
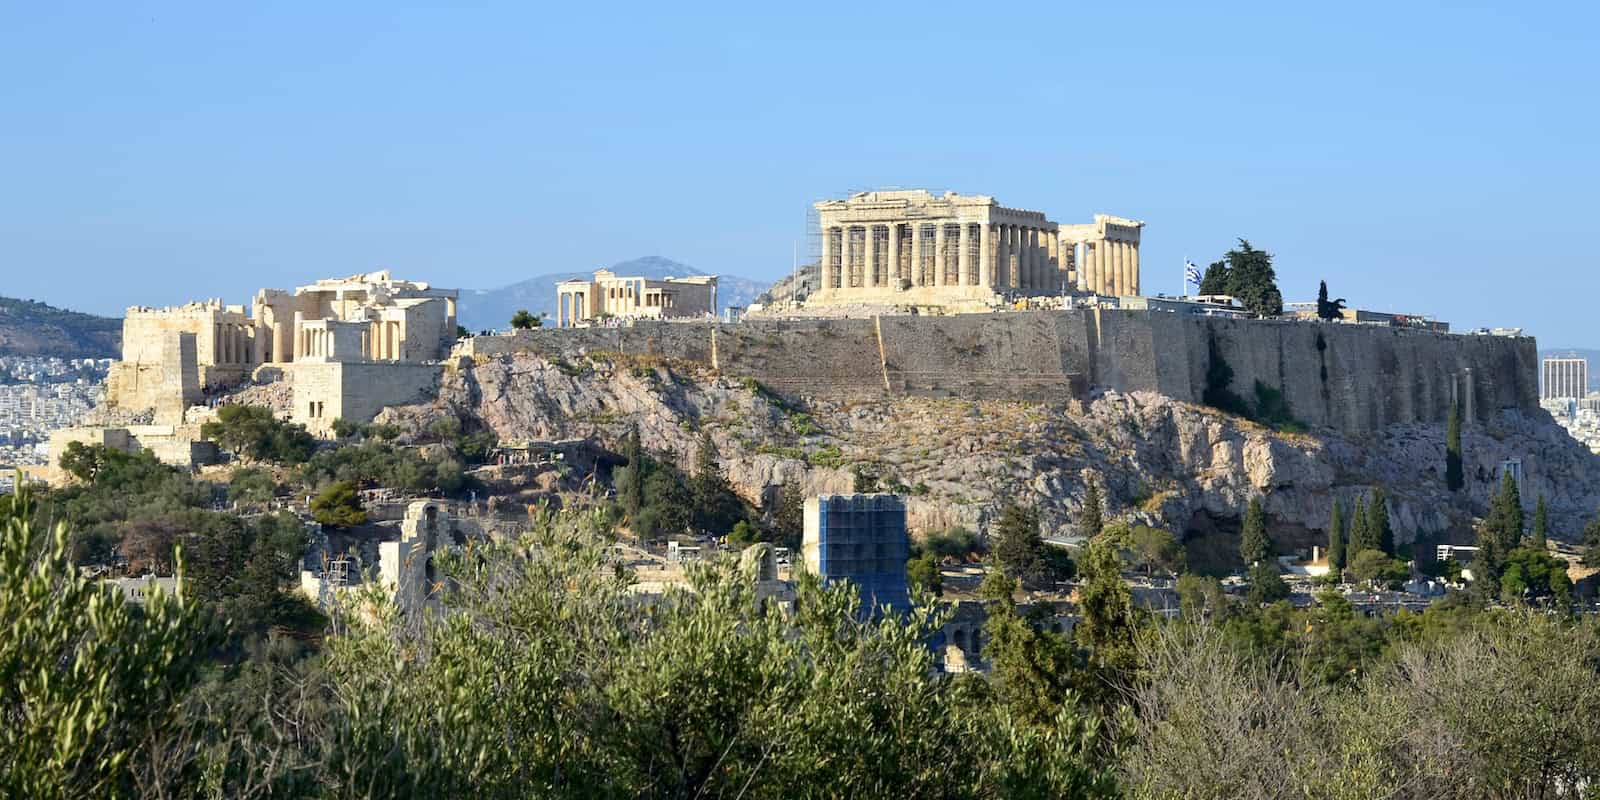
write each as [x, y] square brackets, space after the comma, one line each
[39, 395]
[1564, 392]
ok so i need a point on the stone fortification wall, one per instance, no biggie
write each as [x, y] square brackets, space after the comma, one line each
[356, 392]
[827, 357]
[981, 355]
[1354, 378]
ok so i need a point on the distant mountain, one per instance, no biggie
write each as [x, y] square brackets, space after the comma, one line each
[29, 328]
[1592, 356]
[480, 309]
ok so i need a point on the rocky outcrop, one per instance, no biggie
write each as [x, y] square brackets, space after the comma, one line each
[1159, 460]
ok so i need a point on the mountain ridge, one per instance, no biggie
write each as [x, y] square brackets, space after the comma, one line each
[32, 328]
[489, 309]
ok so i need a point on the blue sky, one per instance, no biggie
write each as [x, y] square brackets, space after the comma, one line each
[1429, 157]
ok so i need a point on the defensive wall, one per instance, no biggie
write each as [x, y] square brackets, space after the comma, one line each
[1355, 378]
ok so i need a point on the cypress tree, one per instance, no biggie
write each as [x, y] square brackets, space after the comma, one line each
[1541, 526]
[1506, 515]
[1453, 476]
[1359, 539]
[1336, 540]
[1378, 528]
[1254, 546]
[1091, 521]
[630, 480]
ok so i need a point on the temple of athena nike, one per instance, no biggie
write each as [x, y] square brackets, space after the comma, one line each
[914, 247]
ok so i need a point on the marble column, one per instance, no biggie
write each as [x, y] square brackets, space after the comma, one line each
[1122, 268]
[1014, 240]
[1133, 258]
[1125, 255]
[869, 242]
[1041, 259]
[1024, 260]
[964, 256]
[1025, 256]
[939, 278]
[916, 253]
[1108, 276]
[892, 269]
[825, 265]
[1002, 257]
[985, 256]
[1091, 266]
[1030, 249]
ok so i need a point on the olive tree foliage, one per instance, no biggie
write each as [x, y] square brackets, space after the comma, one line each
[1503, 709]
[542, 674]
[91, 683]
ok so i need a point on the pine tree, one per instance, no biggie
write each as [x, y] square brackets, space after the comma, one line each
[1254, 546]
[1091, 520]
[1359, 539]
[1215, 280]
[1541, 526]
[1378, 528]
[1453, 477]
[1336, 540]
[1018, 548]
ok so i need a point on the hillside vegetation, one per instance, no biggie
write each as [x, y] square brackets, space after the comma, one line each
[30, 328]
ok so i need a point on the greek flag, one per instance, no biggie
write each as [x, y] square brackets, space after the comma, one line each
[1191, 273]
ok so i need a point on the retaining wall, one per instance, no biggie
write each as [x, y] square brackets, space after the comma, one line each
[1355, 378]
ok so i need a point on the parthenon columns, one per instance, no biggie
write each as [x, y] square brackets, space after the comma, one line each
[964, 256]
[869, 265]
[893, 267]
[985, 256]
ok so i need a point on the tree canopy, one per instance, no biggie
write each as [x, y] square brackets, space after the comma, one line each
[1247, 274]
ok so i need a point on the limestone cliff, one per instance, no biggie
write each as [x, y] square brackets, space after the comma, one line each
[1159, 460]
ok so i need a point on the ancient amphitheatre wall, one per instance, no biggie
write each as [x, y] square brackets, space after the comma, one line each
[1354, 378]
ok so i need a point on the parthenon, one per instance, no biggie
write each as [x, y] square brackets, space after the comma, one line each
[916, 247]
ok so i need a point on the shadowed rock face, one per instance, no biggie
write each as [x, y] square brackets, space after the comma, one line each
[1159, 460]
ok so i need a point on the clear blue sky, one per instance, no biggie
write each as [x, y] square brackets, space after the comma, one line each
[1432, 157]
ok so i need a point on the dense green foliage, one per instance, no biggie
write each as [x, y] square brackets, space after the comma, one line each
[1246, 273]
[337, 505]
[1336, 540]
[1379, 531]
[255, 433]
[658, 500]
[523, 320]
[1254, 545]
[1022, 554]
[374, 464]
[1092, 519]
[1499, 534]
[92, 684]
[544, 676]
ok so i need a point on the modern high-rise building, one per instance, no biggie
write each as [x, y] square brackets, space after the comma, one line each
[1564, 378]
[860, 538]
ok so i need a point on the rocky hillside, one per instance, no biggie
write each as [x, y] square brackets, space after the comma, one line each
[29, 328]
[491, 309]
[1160, 461]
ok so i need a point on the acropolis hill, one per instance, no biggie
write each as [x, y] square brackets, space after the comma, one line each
[925, 301]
